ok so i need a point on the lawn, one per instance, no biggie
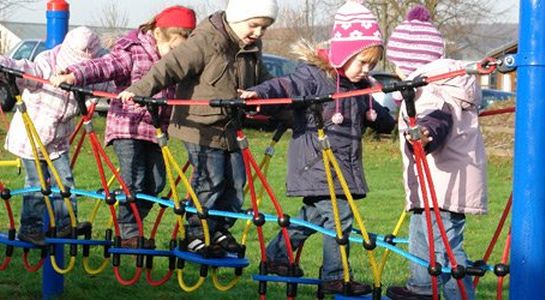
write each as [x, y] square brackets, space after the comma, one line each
[380, 211]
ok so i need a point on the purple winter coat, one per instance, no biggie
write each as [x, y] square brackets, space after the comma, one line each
[306, 174]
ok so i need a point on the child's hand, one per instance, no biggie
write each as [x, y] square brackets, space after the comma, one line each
[57, 80]
[247, 94]
[126, 96]
[418, 133]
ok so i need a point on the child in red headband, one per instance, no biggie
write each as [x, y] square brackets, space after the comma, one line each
[129, 127]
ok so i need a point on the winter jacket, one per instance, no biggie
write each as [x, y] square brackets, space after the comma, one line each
[211, 64]
[306, 173]
[131, 58]
[51, 109]
[457, 159]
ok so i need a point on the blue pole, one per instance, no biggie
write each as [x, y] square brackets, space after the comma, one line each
[57, 16]
[528, 220]
[57, 25]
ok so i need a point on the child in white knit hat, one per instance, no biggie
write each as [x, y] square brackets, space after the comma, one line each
[222, 55]
[52, 110]
[447, 117]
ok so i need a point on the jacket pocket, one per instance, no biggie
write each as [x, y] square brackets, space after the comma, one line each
[215, 73]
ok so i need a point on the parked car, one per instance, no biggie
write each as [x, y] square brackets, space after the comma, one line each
[25, 49]
[491, 96]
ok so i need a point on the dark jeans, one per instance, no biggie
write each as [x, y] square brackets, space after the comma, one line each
[143, 169]
[420, 280]
[317, 211]
[34, 204]
[218, 179]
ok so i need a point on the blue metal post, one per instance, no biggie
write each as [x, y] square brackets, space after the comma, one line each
[528, 225]
[57, 22]
[57, 25]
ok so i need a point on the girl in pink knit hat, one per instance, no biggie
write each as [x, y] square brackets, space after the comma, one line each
[447, 116]
[129, 127]
[355, 48]
[52, 110]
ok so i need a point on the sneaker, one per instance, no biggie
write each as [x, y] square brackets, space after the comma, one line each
[37, 238]
[401, 292]
[226, 241]
[213, 251]
[337, 287]
[282, 269]
[133, 243]
[81, 229]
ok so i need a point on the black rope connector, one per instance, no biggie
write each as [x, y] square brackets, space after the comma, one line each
[284, 221]
[108, 237]
[130, 198]
[370, 245]
[110, 199]
[501, 270]
[5, 194]
[458, 272]
[180, 210]
[259, 220]
[435, 270]
[377, 292]
[204, 271]
[342, 240]
[477, 269]
[227, 103]
[67, 193]
[47, 191]
[203, 215]
[390, 239]
[240, 254]
[262, 288]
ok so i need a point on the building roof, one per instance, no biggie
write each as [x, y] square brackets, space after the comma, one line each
[39, 31]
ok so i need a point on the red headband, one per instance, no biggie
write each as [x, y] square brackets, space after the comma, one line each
[176, 16]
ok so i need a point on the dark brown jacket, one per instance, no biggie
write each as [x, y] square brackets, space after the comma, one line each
[211, 64]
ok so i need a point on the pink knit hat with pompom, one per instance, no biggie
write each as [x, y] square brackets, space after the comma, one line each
[415, 42]
[355, 29]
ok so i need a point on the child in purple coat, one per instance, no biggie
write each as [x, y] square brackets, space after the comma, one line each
[356, 47]
[129, 127]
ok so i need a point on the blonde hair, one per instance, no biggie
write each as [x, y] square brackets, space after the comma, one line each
[372, 55]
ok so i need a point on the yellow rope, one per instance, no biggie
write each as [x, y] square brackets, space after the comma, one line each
[187, 288]
[395, 232]
[96, 271]
[357, 216]
[11, 163]
[172, 184]
[221, 287]
[331, 186]
[60, 270]
[206, 230]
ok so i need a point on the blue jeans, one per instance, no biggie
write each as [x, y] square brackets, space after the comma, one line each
[316, 211]
[420, 280]
[218, 180]
[34, 203]
[143, 170]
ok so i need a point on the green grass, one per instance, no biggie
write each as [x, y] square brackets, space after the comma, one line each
[380, 210]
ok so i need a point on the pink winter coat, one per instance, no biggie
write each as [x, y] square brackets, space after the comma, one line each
[456, 157]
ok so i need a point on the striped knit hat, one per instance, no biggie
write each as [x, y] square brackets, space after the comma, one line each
[355, 29]
[79, 45]
[415, 42]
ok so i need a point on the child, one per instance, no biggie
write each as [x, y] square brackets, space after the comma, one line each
[356, 47]
[129, 126]
[448, 119]
[52, 111]
[222, 55]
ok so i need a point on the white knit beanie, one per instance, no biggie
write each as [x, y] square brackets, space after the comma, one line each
[79, 45]
[241, 10]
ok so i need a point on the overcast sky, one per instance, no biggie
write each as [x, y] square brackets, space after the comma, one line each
[86, 12]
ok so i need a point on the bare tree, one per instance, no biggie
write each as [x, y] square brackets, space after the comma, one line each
[112, 17]
[6, 6]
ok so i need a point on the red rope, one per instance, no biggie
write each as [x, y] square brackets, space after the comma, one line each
[504, 258]
[496, 235]
[497, 112]
[28, 266]
[128, 282]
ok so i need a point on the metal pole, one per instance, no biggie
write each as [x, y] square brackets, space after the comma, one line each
[57, 16]
[528, 223]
